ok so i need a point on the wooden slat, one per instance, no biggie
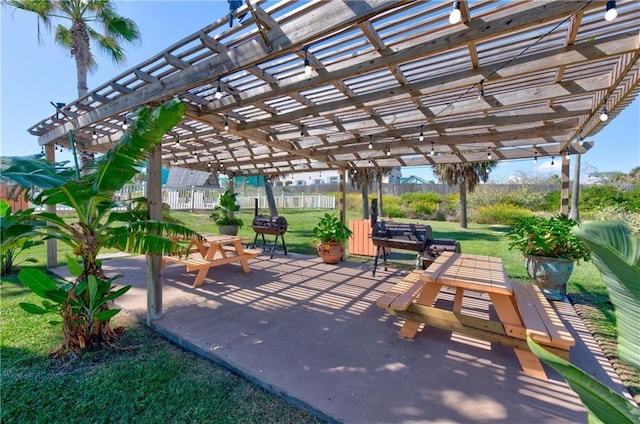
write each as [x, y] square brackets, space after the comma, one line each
[408, 287]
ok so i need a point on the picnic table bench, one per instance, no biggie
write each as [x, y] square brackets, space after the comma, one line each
[214, 250]
[521, 308]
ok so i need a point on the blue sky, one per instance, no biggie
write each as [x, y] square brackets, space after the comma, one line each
[34, 74]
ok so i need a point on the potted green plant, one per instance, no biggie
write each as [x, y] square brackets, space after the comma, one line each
[224, 214]
[330, 234]
[550, 250]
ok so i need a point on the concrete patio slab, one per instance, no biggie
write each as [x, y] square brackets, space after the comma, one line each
[312, 333]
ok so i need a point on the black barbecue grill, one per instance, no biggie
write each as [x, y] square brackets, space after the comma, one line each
[271, 225]
[414, 237]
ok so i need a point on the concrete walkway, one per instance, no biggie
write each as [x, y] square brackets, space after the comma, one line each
[312, 333]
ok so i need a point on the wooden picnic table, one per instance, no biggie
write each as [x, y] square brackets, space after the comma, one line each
[521, 308]
[213, 250]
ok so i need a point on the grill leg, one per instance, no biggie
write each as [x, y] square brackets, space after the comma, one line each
[255, 240]
[375, 261]
[273, 249]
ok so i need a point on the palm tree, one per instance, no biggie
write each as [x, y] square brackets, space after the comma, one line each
[362, 179]
[83, 304]
[467, 176]
[77, 36]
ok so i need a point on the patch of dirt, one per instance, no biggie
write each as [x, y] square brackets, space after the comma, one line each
[593, 317]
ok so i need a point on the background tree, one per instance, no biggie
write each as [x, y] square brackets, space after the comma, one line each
[86, 21]
[467, 176]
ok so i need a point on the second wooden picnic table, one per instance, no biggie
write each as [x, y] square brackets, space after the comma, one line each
[213, 250]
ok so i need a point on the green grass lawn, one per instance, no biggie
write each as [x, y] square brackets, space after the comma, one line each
[148, 379]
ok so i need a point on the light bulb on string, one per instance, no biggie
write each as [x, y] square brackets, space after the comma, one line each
[581, 142]
[308, 69]
[218, 94]
[611, 11]
[125, 125]
[370, 146]
[456, 15]
[433, 152]
[489, 154]
[552, 163]
[481, 93]
[94, 135]
[567, 155]
[605, 113]
[226, 123]
[388, 152]
[421, 137]
[535, 157]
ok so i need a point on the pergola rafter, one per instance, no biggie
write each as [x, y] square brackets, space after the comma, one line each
[519, 79]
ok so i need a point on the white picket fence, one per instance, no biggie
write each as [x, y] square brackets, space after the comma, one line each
[192, 199]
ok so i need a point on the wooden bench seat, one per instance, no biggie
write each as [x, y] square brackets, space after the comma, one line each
[192, 264]
[402, 293]
[540, 320]
[249, 252]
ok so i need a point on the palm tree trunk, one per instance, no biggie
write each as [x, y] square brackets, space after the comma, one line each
[80, 51]
[380, 210]
[575, 189]
[365, 201]
[271, 201]
[463, 204]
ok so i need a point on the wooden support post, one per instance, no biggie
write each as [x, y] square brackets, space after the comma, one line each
[154, 262]
[564, 187]
[52, 245]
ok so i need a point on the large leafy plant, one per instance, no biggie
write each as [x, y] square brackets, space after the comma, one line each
[548, 237]
[17, 235]
[616, 254]
[97, 225]
[224, 212]
[330, 229]
[604, 405]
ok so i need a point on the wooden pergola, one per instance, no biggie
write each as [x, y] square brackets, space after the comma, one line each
[301, 86]
[391, 84]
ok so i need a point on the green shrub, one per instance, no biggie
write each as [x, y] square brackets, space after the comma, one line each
[552, 201]
[596, 197]
[393, 211]
[421, 208]
[427, 196]
[501, 213]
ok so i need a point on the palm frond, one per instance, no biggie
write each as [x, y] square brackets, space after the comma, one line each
[118, 166]
[108, 45]
[62, 36]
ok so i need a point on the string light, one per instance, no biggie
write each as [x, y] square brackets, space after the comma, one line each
[433, 152]
[226, 123]
[552, 158]
[489, 154]
[581, 142]
[456, 15]
[535, 157]
[94, 135]
[125, 126]
[177, 140]
[301, 130]
[421, 138]
[605, 114]
[567, 155]
[218, 94]
[388, 152]
[370, 146]
[308, 69]
[611, 12]
[481, 93]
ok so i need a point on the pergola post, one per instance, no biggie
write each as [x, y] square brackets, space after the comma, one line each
[52, 245]
[154, 262]
[564, 186]
[575, 189]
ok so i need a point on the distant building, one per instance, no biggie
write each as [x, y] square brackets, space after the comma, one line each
[330, 177]
[412, 179]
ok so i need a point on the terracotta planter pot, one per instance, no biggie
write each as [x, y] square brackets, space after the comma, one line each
[550, 274]
[331, 253]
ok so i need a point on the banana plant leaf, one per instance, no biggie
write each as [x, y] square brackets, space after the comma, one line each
[616, 254]
[604, 405]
